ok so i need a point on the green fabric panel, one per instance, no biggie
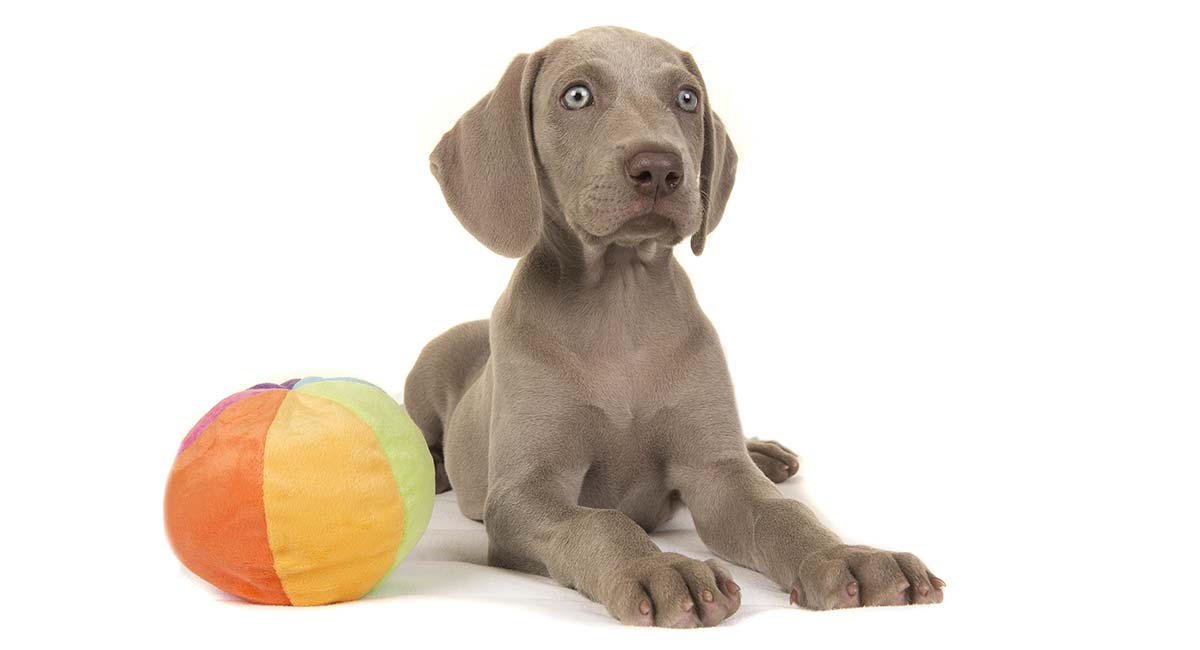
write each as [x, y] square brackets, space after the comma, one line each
[402, 443]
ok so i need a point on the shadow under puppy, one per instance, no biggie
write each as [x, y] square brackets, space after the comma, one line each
[596, 398]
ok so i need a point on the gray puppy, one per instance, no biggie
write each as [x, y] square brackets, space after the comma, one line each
[597, 399]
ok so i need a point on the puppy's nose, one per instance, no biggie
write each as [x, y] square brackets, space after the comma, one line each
[655, 171]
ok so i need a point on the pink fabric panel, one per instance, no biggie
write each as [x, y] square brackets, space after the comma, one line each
[214, 412]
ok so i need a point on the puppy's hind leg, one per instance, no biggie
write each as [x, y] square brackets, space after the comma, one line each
[777, 462]
[447, 366]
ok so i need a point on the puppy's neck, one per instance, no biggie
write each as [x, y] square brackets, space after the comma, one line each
[562, 257]
[606, 302]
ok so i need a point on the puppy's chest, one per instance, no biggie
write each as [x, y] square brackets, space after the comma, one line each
[628, 469]
[628, 398]
[627, 387]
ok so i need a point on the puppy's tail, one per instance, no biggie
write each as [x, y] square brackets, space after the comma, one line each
[444, 370]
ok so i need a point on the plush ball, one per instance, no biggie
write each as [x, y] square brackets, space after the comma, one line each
[302, 493]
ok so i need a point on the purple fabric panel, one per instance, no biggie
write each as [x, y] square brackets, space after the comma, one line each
[289, 384]
[216, 411]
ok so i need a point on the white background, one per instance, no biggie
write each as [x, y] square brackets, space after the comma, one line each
[958, 274]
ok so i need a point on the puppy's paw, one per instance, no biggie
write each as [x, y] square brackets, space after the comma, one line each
[861, 576]
[670, 590]
[777, 462]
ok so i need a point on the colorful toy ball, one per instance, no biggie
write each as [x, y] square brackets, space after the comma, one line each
[302, 493]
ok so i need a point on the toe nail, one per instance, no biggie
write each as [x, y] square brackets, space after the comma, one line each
[852, 589]
[645, 607]
[733, 587]
[939, 583]
[706, 596]
[795, 597]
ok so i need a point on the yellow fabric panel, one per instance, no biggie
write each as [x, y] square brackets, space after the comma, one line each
[402, 442]
[334, 515]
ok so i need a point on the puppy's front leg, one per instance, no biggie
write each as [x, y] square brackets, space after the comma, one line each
[741, 516]
[535, 524]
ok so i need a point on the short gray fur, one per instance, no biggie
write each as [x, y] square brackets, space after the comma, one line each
[596, 398]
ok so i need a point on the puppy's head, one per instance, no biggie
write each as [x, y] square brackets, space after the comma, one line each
[608, 132]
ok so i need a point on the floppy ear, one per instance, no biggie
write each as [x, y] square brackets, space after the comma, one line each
[718, 166]
[486, 167]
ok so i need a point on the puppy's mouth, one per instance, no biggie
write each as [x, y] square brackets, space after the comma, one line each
[643, 222]
[650, 226]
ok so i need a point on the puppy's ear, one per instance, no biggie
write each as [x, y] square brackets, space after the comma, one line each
[486, 166]
[718, 166]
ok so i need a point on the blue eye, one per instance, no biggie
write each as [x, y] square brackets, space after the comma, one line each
[576, 97]
[688, 100]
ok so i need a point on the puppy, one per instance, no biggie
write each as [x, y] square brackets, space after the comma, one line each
[596, 399]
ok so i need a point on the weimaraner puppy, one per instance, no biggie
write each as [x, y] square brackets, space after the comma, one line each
[596, 398]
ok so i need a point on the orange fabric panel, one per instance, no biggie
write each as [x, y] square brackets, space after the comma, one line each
[214, 504]
[335, 517]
